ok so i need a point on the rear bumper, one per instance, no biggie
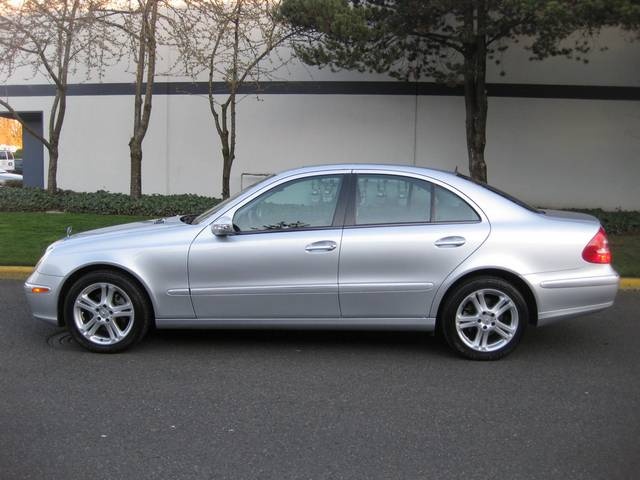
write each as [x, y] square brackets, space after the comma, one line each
[565, 297]
[44, 306]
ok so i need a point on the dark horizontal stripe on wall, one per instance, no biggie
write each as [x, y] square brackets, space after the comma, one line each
[337, 88]
[26, 116]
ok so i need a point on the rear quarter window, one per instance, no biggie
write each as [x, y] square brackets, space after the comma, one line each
[449, 207]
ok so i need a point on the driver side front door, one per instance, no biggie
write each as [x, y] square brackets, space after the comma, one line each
[282, 262]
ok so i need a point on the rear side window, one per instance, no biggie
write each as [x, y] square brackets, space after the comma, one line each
[391, 199]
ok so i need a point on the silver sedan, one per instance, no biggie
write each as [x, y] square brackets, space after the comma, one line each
[9, 176]
[341, 246]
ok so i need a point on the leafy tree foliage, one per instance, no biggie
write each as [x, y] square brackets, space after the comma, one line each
[450, 41]
[627, 12]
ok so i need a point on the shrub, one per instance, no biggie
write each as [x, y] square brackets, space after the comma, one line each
[101, 202]
[616, 222]
[15, 199]
[13, 183]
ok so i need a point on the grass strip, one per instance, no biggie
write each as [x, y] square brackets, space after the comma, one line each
[24, 236]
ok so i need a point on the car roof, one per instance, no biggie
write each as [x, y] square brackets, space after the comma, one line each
[450, 178]
[369, 166]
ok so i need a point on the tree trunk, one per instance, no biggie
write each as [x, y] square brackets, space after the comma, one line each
[227, 152]
[146, 67]
[52, 174]
[226, 171]
[229, 140]
[476, 127]
[135, 149]
[56, 120]
[475, 92]
[227, 163]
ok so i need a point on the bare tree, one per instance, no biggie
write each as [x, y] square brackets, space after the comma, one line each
[136, 27]
[145, 77]
[49, 37]
[236, 42]
[145, 59]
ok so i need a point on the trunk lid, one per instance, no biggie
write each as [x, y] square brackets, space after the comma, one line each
[571, 216]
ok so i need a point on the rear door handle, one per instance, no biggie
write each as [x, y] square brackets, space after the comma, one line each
[322, 246]
[450, 242]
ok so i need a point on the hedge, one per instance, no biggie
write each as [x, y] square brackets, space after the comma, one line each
[616, 222]
[104, 203]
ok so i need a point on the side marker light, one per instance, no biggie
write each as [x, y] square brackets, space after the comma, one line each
[40, 290]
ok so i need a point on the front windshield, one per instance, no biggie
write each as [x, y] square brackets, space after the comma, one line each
[219, 206]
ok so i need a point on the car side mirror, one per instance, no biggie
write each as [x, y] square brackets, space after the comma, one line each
[223, 227]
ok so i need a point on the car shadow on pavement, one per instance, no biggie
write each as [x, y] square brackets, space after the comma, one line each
[285, 340]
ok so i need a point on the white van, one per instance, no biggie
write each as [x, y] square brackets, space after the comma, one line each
[7, 161]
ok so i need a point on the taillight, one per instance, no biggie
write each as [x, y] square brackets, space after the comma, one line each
[597, 250]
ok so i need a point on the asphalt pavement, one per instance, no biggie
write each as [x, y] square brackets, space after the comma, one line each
[320, 405]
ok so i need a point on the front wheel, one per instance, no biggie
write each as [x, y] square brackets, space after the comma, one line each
[106, 312]
[484, 318]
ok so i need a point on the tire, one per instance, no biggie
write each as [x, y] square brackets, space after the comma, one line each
[106, 312]
[484, 318]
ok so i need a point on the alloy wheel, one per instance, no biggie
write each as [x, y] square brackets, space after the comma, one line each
[486, 320]
[103, 313]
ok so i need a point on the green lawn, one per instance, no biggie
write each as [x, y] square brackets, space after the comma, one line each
[626, 254]
[24, 236]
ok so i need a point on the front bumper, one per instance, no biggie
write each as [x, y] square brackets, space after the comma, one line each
[44, 306]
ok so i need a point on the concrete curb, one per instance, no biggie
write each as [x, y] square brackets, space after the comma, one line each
[630, 283]
[24, 272]
[15, 273]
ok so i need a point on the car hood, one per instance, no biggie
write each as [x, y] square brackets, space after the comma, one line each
[145, 227]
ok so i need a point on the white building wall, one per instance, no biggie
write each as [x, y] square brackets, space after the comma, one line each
[551, 152]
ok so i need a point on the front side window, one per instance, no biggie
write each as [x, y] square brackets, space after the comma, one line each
[304, 203]
[390, 199]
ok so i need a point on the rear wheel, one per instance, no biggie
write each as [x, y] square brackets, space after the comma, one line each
[106, 312]
[484, 318]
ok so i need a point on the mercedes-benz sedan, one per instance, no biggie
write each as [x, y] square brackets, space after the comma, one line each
[340, 246]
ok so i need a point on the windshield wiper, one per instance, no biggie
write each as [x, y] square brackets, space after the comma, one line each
[188, 218]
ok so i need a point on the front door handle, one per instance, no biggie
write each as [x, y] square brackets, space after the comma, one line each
[450, 242]
[322, 246]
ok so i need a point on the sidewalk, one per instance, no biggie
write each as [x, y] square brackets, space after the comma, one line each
[21, 273]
